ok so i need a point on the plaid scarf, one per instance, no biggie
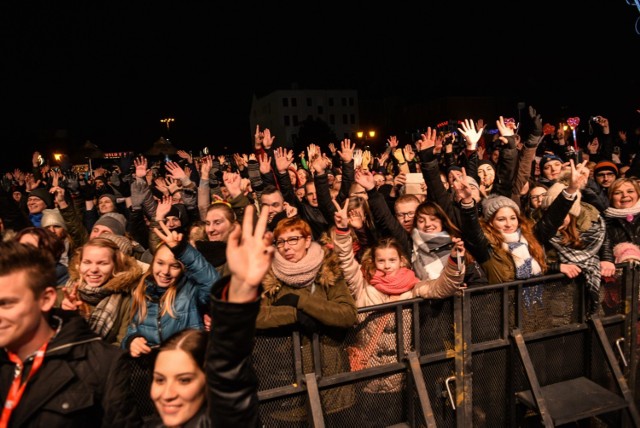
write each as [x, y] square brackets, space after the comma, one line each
[430, 253]
[586, 258]
[106, 302]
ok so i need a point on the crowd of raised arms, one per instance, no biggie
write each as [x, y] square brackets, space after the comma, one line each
[153, 256]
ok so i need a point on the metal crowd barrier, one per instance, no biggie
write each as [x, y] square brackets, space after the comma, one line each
[452, 362]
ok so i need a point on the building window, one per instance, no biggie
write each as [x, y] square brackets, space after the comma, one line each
[285, 102]
[330, 101]
[294, 102]
[295, 120]
[332, 119]
[309, 102]
[352, 117]
[287, 121]
[345, 119]
[344, 102]
[351, 101]
[320, 110]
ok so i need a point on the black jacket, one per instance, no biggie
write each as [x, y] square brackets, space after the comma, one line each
[84, 381]
[619, 230]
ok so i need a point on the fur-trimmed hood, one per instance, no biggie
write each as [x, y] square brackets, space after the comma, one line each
[124, 281]
[327, 276]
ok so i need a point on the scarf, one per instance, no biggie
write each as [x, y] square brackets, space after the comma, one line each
[627, 213]
[586, 258]
[302, 273]
[106, 303]
[518, 247]
[430, 253]
[404, 280]
[36, 219]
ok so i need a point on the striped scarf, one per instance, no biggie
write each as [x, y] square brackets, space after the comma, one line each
[430, 253]
[586, 258]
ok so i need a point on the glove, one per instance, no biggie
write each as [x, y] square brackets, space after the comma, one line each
[308, 324]
[290, 299]
[537, 122]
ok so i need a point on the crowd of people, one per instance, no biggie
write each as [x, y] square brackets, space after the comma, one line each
[186, 258]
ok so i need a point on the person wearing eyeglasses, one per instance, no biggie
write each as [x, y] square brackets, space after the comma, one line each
[304, 289]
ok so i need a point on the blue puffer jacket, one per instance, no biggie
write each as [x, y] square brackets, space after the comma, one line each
[191, 302]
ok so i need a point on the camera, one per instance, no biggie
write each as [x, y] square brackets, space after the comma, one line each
[595, 119]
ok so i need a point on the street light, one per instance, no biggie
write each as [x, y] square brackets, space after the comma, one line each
[167, 121]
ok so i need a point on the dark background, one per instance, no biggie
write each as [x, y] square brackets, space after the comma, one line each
[108, 73]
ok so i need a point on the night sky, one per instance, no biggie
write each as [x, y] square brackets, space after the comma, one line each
[109, 73]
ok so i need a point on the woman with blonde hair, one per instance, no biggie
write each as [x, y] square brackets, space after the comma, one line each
[100, 284]
[173, 295]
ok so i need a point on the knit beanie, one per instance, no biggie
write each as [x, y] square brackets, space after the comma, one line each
[493, 203]
[110, 196]
[547, 158]
[124, 243]
[605, 166]
[487, 162]
[626, 251]
[52, 217]
[114, 221]
[472, 182]
[552, 194]
[43, 194]
[175, 212]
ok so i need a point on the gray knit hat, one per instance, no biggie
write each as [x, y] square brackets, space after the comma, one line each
[122, 242]
[52, 217]
[114, 221]
[110, 196]
[493, 203]
[552, 194]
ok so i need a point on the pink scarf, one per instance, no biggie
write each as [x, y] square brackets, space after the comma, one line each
[399, 283]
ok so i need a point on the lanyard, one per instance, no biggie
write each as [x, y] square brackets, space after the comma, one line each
[17, 386]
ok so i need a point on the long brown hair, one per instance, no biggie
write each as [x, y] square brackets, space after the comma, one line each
[526, 226]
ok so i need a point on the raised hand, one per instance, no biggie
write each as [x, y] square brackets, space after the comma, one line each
[366, 159]
[579, 176]
[357, 158]
[141, 166]
[346, 150]
[332, 148]
[393, 142]
[164, 206]
[397, 153]
[258, 137]
[169, 237]
[249, 256]
[365, 179]
[185, 155]
[462, 188]
[268, 139]
[233, 183]
[283, 159]
[265, 163]
[341, 217]
[175, 170]
[470, 133]
[536, 119]
[408, 152]
[504, 129]
[382, 159]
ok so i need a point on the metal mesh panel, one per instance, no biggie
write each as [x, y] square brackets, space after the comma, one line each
[288, 412]
[486, 316]
[548, 305]
[435, 376]
[374, 409]
[490, 386]
[436, 326]
[273, 361]
[140, 382]
[558, 358]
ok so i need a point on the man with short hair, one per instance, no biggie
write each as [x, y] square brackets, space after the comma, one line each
[54, 370]
[405, 210]
[272, 200]
[605, 173]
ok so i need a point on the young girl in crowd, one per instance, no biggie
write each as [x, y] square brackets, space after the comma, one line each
[384, 276]
[173, 295]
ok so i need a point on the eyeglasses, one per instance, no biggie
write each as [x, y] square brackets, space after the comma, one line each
[538, 197]
[292, 240]
[409, 215]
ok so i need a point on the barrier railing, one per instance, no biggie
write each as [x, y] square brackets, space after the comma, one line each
[450, 362]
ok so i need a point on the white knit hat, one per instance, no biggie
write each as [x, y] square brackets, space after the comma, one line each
[52, 217]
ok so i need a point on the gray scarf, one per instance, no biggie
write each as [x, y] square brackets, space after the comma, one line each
[302, 273]
[430, 253]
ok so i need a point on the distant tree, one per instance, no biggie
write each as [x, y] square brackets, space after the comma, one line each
[314, 131]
